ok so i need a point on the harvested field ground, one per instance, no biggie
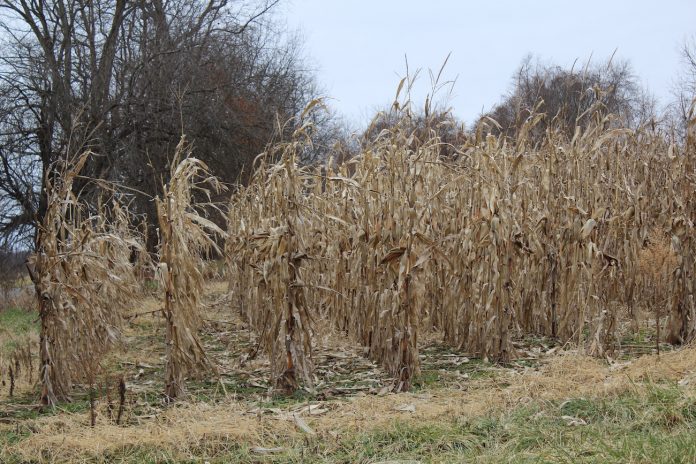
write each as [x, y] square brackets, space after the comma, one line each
[552, 405]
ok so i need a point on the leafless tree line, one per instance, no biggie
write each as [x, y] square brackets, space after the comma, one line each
[565, 99]
[568, 97]
[682, 107]
[124, 79]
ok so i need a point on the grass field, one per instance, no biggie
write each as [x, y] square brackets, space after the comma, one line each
[551, 405]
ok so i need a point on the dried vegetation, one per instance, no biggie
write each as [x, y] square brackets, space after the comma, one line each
[83, 279]
[563, 238]
[186, 237]
[402, 248]
[400, 251]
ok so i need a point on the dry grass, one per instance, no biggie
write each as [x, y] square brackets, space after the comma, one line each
[189, 427]
[216, 420]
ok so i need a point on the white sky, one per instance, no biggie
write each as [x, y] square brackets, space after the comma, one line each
[357, 47]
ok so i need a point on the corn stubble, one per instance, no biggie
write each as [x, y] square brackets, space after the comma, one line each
[502, 240]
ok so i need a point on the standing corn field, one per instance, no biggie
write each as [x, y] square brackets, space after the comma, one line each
[267, 253]
[501, 241]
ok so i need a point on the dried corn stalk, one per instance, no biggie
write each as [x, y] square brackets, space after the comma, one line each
[186, 237]
[682, 183]
[267, 255]
[83, 279]
[502, 241]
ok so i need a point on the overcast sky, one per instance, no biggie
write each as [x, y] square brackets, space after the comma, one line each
[357, 47]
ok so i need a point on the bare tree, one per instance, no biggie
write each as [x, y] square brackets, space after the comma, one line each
[48, 106]
[571, 97]
[125, 79]
[683, 107]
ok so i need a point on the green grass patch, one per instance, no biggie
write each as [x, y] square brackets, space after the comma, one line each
[655, 423]
[15, 325]
[442, 366]
[18, 320]
[281, 400]
[151, 285]
[11, 436]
